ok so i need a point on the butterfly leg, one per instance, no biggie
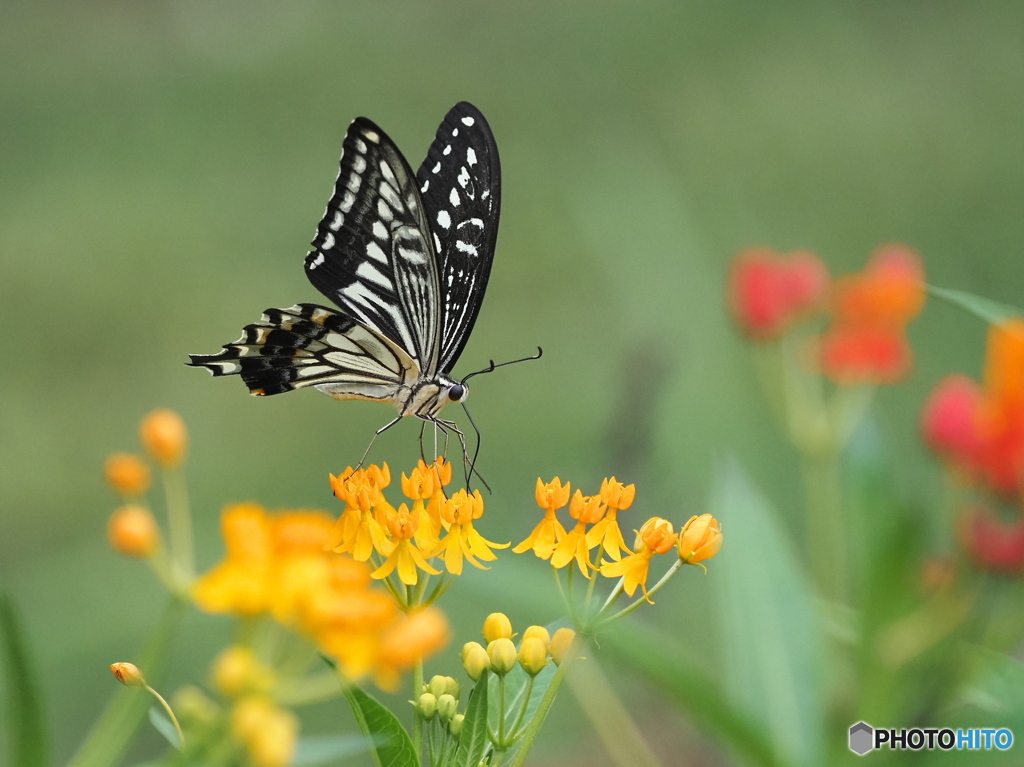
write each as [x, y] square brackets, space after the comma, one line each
[468, 466]
[376, 434]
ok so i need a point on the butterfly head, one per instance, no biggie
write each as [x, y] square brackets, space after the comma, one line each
[458, 392]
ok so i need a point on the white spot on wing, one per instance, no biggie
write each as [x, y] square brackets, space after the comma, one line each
[347, 202]
[380, 231]
[447, 150]
[384, 211]
[468, 121]
[316, 261]
[444, 219]
[386, 171]
[436, 168]
[437, 244]
[339, 219]
[388, 193]
[455, 132]
[471, 157]
[463, 178]
[454, 198]
[358, 163]
[360, 145]
[368, 271]
[371, 136]
[328, 241]
[425, 185]
[465, 247]
[373, 250]
[486, 194]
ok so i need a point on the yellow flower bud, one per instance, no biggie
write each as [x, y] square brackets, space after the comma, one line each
[456, 726]
[502, 654]
[497, 626]
[447, 707]
[237, 671]
[475, 660]
[164, 436]
[533, 655]
[560, 644]
[127, 474]
[540, 632]
[128, 674]
[657, 535]
[132, 531]
[700, 539]
[426, 705]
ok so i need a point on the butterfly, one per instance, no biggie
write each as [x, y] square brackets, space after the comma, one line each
[405, 258]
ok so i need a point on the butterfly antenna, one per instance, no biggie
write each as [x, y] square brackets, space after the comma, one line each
[476, 452]
[492, 367]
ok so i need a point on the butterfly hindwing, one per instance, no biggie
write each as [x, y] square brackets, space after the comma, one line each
[372, 254]
[310, 345]
[460, 183]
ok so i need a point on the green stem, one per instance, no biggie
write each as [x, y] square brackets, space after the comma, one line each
[179, 524]
[534, 725]
[417, 719]
[676, 566]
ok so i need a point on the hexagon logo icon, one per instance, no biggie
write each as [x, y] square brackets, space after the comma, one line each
[861, 738]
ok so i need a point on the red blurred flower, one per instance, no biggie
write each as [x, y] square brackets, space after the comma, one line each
[991, 543]
[866, 342]
[768, 291]
[980, 429]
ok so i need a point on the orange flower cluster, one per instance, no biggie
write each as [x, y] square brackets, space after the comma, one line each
[978, 430]
[280, 565]
[407, 537]
[699, 539]
[866, 341]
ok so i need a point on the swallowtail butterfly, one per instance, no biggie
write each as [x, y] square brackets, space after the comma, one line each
[405, 258]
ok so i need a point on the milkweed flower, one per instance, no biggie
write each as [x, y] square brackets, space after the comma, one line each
[462, 540]
[700, 539]
[132, 531]
[979, 428]
[993, 545]
[586, 510]
[654, 537]
[403, 525]
[866, 342]
[126, 473]
[551, 496]
[606, 532]
[165, 437]
[769, 291]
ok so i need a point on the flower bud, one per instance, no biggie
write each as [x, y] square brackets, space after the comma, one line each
[700, 539]
[436, 686]
[456, 725]
[127, 474]
[560, 644]
[475, 659]
[540, 632]
[128, 674]
[533, 655]
[426, 705]
[237, 671]
[502, 654]
[164, 436]
[132, 531]
[497, 626]
[447, 707]
[656, 535]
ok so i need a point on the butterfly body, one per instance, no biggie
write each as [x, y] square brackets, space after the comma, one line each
[405, 257]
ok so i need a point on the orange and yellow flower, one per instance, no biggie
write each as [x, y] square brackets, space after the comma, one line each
[656, 536]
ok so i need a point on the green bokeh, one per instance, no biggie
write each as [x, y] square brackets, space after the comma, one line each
[164, 165]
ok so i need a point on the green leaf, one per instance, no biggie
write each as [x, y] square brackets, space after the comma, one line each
[988, 310]
[26, 730]
[389, 743]
[667, 665]
[769, 633]
[164, 726]
[473, 740]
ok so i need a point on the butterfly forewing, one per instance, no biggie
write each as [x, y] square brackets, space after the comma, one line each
[460, 183]
[372, 254]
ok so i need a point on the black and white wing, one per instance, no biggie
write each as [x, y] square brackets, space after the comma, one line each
[372, 254]
[460, 183]
[310, 345]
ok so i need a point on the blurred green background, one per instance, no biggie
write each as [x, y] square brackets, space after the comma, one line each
[164, 164]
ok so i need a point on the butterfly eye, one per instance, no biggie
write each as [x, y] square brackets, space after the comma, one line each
[456, 392]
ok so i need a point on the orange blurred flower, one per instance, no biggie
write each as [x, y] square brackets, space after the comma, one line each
[164, 436]
[866, 342]
[768, 291]
[127, 474]
[132, 531]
